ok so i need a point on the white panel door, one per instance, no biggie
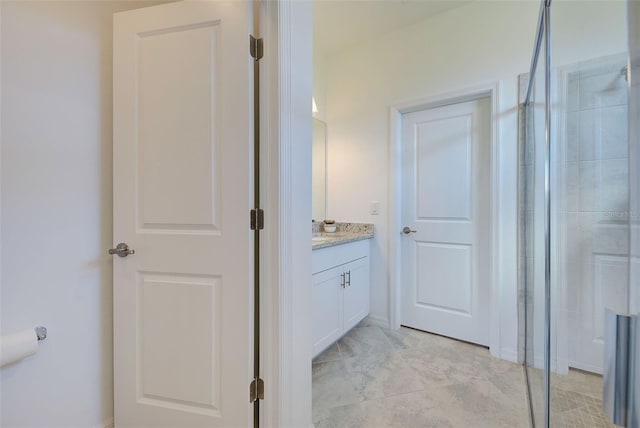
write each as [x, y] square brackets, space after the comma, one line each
[182, 168]
[445, 200]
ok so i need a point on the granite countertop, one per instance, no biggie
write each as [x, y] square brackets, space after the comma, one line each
[345, 232]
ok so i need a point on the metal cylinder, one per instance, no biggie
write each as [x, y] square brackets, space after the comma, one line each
[620, 374]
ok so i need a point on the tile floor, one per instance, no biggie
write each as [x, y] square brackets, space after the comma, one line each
[375, 377]
[576, 399]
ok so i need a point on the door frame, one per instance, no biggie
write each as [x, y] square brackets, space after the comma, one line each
[396, 111]
[286, 90]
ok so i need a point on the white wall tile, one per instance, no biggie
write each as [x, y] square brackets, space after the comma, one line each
[587, 180]
[572, 242]
[603, 185]
[590, 123]
[602, 90]
[573, 92]
[571, 187]
[603, 133]
[571, 137]
[614, 133]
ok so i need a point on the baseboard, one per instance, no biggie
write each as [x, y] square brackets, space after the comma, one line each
[108, 423]
[378, 322]
[585, 368]
[509, 355]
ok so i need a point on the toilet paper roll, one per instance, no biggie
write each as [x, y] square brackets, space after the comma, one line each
[16, 346]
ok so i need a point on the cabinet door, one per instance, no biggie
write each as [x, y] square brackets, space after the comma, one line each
[327, 308]
[356, 292]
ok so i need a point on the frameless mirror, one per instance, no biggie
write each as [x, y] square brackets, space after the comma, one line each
[319, 171]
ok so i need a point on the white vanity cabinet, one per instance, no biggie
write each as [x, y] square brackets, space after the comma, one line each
[340, 293]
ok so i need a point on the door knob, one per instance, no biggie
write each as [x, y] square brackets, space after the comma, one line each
[121, 250]
[407, 230]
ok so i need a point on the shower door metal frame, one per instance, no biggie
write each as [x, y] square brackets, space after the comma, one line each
[543, 35]
[633, 74]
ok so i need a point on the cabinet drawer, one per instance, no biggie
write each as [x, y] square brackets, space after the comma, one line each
[330, 257]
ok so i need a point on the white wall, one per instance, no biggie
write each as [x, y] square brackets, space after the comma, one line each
[320, 83]
[56, 209]
[483, 42]
[319, 152]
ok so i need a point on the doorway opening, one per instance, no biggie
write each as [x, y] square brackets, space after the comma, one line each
[445, 209]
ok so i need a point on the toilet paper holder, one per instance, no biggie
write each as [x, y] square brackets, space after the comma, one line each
[41, 333]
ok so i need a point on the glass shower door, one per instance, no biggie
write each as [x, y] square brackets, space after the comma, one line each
[531, 239]
[579, 230]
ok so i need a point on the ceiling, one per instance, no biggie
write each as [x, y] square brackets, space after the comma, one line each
[340, 24]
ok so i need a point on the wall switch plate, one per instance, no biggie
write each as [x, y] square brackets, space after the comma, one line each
[374, 208]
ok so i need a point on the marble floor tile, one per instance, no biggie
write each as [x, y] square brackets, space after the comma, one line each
[363, 341]
[383, 375]
[349, 416]
[509, 379]
[412, 410]
[368, 322]
[380, 378]
[481, 404]
[443, 365]
[376, 377]
[332, 353]
[333, 385]
[404, 338]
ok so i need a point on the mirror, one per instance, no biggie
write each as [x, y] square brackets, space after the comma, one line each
[319, 171]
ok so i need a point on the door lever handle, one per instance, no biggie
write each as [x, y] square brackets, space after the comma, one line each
[122, 250]
[407, 230]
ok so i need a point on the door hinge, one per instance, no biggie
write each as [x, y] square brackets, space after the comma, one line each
[257, 219]
[256, 48]
[256, 390]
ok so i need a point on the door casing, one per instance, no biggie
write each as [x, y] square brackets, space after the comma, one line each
[286, 90]
[395, 203]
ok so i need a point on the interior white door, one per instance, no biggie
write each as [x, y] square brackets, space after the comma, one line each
[182, 168]
[445, 206]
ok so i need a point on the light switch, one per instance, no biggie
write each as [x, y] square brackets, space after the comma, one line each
[374, 208]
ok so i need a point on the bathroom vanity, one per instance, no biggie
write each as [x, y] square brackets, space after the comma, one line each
[340, 282]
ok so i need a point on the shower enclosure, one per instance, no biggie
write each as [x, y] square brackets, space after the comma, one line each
[579, 228]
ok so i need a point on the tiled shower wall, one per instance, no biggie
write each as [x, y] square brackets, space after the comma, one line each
[589, 230]
[593, 203]
[589, 190]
